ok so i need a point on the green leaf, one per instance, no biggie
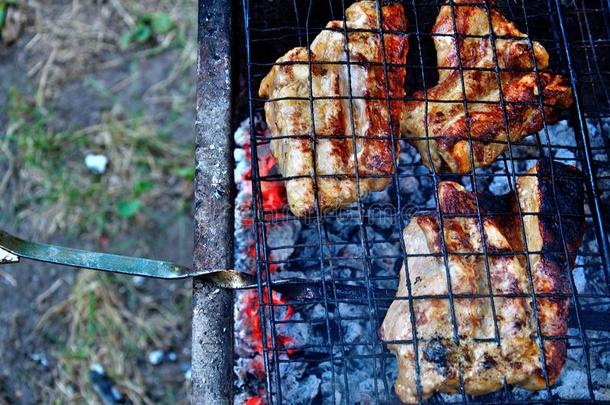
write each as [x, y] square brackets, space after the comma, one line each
[161, 23]
[128, 208]
[125, 40]
[186, 172]
[142, 33]
[142, 187]
[2, 15]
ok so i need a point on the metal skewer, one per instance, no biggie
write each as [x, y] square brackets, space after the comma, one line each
[13, 248]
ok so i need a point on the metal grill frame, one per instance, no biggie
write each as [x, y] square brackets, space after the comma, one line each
[558, 18]
[212, 312]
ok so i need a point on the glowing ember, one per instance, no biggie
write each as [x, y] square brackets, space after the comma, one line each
[273, 192]
[249, 328]
[254, 401]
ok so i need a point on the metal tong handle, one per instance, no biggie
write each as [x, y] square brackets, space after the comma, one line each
[12, 248]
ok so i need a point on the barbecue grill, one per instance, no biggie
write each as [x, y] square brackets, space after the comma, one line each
[324, 283]
[361, 246]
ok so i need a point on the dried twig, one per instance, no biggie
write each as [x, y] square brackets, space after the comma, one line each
[48, 292]
[44, 75]
[9, 279]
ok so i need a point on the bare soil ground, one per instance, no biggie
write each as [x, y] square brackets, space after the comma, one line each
[113, 77]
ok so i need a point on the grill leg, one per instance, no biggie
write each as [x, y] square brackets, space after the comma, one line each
[212, 364]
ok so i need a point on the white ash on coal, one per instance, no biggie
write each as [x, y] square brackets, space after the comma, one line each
[330, 351]
[279, 237]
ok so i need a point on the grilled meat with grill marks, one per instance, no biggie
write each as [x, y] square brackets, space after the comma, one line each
[337, 121]
[484, 364]
[445, 117]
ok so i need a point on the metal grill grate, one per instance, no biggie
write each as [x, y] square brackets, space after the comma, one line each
[363, 244]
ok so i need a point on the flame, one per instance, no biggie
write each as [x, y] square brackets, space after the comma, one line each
[274, 199]
[253, 320]
[273, 192]
[254, 401]
[253, 327]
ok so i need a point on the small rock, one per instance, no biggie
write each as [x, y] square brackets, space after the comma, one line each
[138, 280]
[40, 358]
[96, 163]
[155, 357]
[97, 368]
[104, 386]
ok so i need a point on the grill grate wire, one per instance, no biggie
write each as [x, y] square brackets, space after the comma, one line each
[577, 36]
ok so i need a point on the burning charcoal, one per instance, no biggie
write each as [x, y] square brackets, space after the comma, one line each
[345, 226]
[351, 257]
[361, 373]
[604, 357]
[408, 155]
[362, 387]
[282, 234]
[381, 220]
[300, 390]
[408, 185]
[601, 379]
[318, 312]
[298, 333]
[367, 393]
[352, 332]
[330, 394]
[390, 257]
[580, 280]
[573, 384]
[359, 326]
[562, 137]
[387, 277]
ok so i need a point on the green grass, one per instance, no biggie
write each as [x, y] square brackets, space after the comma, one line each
[103, 329]
[105, 319]
[147, 170]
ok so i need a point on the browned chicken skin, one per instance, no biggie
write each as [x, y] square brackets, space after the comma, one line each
[337, 121]
[517, 358]
[446, 119]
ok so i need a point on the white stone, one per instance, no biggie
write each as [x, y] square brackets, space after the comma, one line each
[155, 357]
[96, 163]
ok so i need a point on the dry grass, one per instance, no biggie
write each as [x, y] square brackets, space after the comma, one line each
[107, 319]
[72, 39]
[57, 192]
[102, 330]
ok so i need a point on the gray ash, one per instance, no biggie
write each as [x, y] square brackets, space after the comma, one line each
[330, 351]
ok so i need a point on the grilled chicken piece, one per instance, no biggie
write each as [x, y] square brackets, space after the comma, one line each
[337, 121]
[448, 122]
[517, 357]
